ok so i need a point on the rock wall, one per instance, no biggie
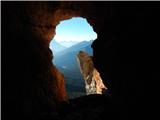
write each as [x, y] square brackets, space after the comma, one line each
[119, 53]
[37, 86]
[93, 81]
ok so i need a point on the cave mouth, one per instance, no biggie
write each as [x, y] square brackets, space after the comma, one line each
[73, 38]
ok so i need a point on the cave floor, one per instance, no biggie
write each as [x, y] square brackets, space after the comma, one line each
[90, 107]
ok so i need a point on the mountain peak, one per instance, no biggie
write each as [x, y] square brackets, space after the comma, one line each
[56, 47]
[72, 43]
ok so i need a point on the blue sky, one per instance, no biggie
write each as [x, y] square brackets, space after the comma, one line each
[75, 29]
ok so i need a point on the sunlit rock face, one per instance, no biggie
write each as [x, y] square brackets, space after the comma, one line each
[93, 81]
[100, 87]
[58, 86]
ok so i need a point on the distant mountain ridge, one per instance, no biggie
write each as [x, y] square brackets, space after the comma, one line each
[56, 47]
[66, 62]
[68, 43]
[85, 45]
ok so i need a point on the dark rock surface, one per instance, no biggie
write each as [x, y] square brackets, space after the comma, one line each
[89, 107]
[126, 53]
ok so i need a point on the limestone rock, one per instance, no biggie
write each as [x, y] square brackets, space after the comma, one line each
[93, 81]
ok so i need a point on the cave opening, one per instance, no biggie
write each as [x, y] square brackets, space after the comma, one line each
[71, 48]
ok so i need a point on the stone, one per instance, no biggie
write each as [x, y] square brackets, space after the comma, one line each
[93, 81]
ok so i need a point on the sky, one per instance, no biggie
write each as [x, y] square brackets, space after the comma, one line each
[75, 29]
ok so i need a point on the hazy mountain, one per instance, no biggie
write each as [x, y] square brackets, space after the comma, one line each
[56, 47]
[85, 45]
[66, 62]
[68, 43]
[67, 58]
